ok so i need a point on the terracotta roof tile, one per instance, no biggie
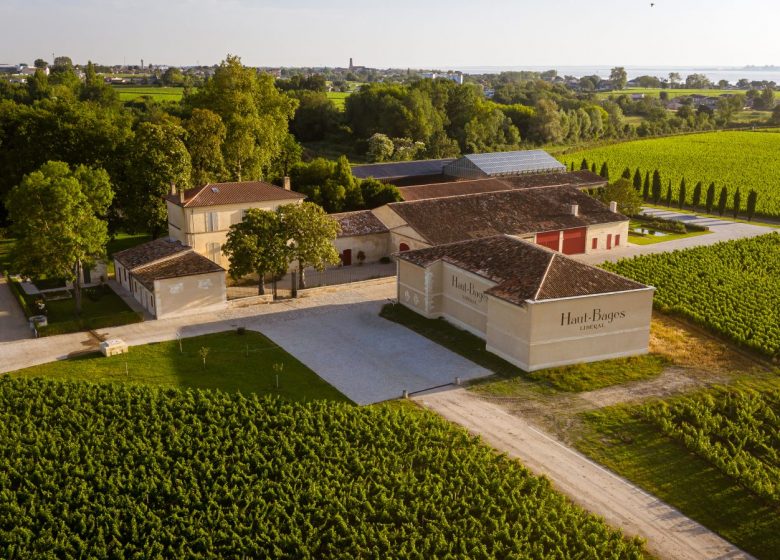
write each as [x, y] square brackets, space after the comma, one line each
[523, 271]
[216, 194]
[185, 264]
[514, 212]
[149, 252]
[362, 222]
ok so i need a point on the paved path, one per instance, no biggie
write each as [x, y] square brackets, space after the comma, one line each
[13, 323]
[720, 230]
[669, 533]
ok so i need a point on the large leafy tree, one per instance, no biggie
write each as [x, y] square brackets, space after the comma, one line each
[254, 112]
[57, 215]
[205, 137]
[628, 199]
[157, 158]
[257, 244]
[310, 234]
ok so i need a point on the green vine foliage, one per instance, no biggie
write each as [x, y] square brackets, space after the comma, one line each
[731, 288]
[120, 471]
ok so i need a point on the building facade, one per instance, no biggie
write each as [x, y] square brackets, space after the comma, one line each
[169, 279]
[201, 217]
[535, 308]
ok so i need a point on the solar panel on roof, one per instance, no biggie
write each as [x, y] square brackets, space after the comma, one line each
[500, 163]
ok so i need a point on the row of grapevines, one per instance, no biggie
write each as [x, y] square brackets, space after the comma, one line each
[731, 288]
[738, 160]
[738, 431]
[118, 471]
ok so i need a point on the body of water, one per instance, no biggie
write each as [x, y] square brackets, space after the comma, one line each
[715, 74]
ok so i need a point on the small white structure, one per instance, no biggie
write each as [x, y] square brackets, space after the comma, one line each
[113, 347]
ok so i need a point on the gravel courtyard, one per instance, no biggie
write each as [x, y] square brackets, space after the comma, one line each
[368, 358]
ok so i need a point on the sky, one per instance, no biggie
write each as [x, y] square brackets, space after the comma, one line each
[394, 33]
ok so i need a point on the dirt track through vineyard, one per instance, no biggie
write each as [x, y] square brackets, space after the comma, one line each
[669, 533]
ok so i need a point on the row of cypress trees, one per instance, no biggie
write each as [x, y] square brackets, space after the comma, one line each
[652, 191]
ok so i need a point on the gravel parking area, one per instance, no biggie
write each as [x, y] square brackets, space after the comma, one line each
[368, 358]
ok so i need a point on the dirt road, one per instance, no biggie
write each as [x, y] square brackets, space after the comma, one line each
[669, 533]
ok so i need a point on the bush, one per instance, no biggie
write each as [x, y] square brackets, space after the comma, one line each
[77, 325]
[16, 290]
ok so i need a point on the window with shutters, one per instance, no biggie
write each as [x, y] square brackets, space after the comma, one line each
[212, 221]
[214, 251]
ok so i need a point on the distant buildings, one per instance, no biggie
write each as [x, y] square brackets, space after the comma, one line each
[456, 77]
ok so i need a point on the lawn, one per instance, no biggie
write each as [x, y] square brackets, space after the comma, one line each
[649, 239]
[234, 363]
[339, 98]
[618, 438]
[122, 241]
[575, 378]
[132, 93]
[655, 92]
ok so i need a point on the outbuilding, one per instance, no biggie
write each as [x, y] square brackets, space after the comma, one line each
[534, 307]
[169, 278]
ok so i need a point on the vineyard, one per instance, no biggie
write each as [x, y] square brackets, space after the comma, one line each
[745, 160]
[736, 430]
[115, 471]
[731, 288]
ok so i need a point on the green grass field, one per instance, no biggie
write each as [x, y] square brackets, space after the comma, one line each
[131, 93]
[655, 92]
[234, 363]
[745, 160]
[339, 98]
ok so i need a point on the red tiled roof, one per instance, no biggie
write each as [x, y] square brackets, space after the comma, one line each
[523, 271]
[185, 264]
[362, 222]
[149, 252]
[514, 212]
[216, 194]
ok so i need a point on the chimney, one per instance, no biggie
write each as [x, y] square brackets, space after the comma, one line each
[181, 196]
[574, 209]
[286, 183]
[173, 188]
[613, 207]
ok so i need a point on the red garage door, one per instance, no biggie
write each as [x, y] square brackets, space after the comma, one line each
[574, 241]
[548, 239]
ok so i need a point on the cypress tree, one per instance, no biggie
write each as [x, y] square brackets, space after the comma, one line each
[626, 174]
[646, 187]
[584, 165]
[669, 194]
[683, 193]
[604, 171]
[593, 167]
[751, 204]
[697, 194]
[638, 180]
[737, 202]
[656, 186]
[722, 200]
[710, 198]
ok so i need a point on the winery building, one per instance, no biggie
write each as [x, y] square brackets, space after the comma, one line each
[534, 307]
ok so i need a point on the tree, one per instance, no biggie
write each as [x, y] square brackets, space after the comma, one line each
[593, 167]
[254, 112]
[310, 233]
[380, 148]
[157, 159]
[57, 215]
[353, 196]
[618, 77]
[766, 100]
[40, 63]
[626, 174]
[737, 202]
[95, 89]
[375, 193]
[683, 193]
[697, 195]
[257, 244]
[205, 136]
[315, 117]
[669, 193]
[38, 85]
[622, 191]
[646, 187]
[546, 124]
[674, 79]
[604, 171]
[751, 204]
[710, 198]
[722, 200]
[638, 180]
[656, 187]
[584, 164]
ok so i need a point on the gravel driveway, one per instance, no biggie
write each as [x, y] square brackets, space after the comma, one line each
[367, 358]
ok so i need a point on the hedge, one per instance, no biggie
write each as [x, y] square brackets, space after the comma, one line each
[77, 325]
